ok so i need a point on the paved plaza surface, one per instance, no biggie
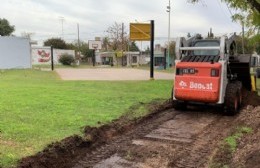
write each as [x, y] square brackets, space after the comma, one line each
[108, 74]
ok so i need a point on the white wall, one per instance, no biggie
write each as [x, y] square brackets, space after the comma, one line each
[14, 53]
[42, 55]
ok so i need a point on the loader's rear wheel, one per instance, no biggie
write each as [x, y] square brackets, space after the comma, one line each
[178, 105]
[232, 99]
[239, 90]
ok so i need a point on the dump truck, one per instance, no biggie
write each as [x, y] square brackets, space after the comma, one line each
[208, 71]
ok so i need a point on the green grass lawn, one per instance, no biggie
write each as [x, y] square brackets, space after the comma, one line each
[83, 66]
[147, 67]
[37, 108]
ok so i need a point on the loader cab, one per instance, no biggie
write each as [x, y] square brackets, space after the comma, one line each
[206, 43]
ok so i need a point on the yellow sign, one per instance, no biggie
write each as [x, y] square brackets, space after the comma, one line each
[119, 54]
[140, 31]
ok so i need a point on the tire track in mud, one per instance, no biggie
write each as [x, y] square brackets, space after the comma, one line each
[187, 140]
[173, 139]
[119, 145]
[198, 153]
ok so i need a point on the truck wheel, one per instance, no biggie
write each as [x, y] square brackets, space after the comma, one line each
[258, 72]
[232, 99]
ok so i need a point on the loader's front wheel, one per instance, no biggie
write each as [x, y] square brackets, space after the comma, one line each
[232, 99]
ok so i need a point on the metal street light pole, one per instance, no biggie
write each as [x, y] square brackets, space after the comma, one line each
[169, 27]
[62, 32]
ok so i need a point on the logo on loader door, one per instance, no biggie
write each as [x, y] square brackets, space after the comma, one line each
[182, 84]
[201, 86]
[194, 85]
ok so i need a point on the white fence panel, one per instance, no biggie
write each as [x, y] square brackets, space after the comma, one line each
[15, 53]
[42, 55]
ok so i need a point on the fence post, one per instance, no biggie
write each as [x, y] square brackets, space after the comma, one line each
[52, 64]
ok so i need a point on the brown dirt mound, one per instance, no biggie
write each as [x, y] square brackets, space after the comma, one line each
[247, 152]
[62, 153]
[250, 98]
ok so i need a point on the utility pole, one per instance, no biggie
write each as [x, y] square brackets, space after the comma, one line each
[169, 31]
[122, 36]
[62, 20]
[243, 37]
[122, 43]
[78, 38]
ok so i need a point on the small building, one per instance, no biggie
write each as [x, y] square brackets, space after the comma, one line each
[120, 58]
[159, 58]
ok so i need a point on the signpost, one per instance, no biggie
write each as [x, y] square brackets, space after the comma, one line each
[140, 31]
[144, 32]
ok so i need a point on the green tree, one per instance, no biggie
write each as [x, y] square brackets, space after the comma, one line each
[248, 16]
[255, 42]
[5, 28]
[56, 43]
[105, 43]
[83, 48]
[250, 8]
[248, 47]
[172, 49]
[240, 4]
[133, 46]
[117, 36]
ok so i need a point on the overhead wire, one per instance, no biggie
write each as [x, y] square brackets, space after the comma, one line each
[225, 14]
[231, 14]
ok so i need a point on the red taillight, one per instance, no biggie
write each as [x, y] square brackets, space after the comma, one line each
[214, 72]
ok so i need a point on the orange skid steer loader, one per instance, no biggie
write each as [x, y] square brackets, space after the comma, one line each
[207, 71]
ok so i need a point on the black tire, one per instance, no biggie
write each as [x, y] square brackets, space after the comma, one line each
[239, 90]
[178, 105]
[258, 72]
[231, 105]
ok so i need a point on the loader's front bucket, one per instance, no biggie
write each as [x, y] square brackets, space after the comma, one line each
[242, 69]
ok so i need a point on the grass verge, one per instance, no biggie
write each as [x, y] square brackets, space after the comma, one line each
[224, 154]
[37, 108]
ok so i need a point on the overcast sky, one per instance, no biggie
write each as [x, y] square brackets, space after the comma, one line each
[43, 17]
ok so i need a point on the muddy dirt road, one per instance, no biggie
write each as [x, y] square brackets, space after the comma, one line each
[168, 138]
